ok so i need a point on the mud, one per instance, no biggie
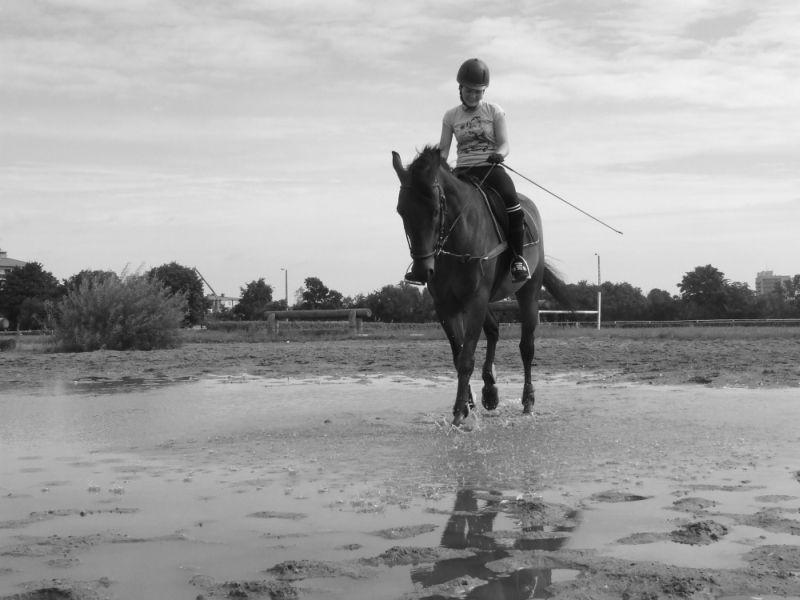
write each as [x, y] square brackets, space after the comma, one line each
[244, 471]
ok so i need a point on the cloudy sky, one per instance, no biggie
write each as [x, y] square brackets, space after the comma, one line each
[243, 137]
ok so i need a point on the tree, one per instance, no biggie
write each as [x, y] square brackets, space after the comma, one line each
[740, 301]
[663, 306]
[401, 303]
[134, 312]
[622, 302]
[88, 275]
[792, 296]
[255, 300]
[178, 279]
[703, 291]
[318, 295]
[27, 295]
[583, 295]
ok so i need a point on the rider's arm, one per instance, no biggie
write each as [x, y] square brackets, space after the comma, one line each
[501, 135]
[445, 140]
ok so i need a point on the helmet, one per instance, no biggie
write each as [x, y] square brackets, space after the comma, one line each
[473, 72]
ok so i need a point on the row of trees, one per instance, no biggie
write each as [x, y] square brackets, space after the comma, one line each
[705, 293]
[29, 296]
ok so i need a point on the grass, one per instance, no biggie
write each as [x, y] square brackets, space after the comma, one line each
[257, 332]
[339, 330]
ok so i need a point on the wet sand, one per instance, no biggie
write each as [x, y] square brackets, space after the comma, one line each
[218, 477]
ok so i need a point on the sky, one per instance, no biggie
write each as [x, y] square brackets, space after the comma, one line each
[252, 138]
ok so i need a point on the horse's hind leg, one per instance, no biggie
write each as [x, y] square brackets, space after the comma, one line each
[529, 316]
[491, 329]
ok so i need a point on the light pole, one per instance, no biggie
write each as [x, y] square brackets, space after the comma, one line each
[286, 286]
[598, 269]
[599, 293]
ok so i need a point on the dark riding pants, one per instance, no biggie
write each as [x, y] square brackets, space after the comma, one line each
[497, 178]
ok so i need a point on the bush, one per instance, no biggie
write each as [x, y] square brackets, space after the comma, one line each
[128, 313]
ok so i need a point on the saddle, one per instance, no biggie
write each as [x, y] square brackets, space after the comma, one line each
[496, 206]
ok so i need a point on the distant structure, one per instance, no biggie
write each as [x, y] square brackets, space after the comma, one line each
[766, 281]
[6, 264]
[218, 302]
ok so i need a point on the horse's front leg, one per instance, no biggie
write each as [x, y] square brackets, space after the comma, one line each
[491, 329]
[463, 331]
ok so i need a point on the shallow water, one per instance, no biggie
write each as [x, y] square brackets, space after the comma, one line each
[162, 490]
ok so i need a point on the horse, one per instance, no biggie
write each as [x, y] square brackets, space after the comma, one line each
[455, 232]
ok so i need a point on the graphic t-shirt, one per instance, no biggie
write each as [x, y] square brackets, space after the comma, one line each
[474, 131]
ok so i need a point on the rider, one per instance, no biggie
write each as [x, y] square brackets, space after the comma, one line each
[482, 142]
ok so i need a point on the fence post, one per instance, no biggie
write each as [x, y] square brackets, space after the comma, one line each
[355, 322]
[272, 323]
[599, 305]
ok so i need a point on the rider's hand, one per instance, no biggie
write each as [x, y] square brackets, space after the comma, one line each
[495, 159]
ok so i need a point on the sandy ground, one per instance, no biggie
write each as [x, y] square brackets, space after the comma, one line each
[653, 469]
[746, 362]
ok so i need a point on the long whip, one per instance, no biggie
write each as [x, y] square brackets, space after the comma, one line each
[562, 199]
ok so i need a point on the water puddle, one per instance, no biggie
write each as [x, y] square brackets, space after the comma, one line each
[145, 526]
[357, 488]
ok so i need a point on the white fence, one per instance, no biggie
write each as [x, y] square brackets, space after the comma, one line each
[511, 306]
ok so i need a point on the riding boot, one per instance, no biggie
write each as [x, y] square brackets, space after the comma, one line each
[516, 235]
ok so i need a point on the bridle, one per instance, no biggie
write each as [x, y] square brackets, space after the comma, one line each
[444, 230]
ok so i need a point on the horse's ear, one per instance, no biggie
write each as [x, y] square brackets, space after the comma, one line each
[402, 174]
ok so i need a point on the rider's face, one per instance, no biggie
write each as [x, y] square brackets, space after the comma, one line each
[471, 96]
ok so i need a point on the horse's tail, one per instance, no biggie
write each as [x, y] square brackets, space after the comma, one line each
[553, 283]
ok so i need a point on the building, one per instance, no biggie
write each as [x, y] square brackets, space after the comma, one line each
[6, 264]
[767, 281]
[217, 303]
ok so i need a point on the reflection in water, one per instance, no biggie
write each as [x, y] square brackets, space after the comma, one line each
[470, 527]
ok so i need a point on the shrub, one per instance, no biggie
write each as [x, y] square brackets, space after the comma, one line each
[132, 312]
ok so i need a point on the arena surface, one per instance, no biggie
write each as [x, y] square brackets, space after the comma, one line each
[650, 469]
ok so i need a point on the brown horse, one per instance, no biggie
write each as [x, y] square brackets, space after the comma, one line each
[455, 234]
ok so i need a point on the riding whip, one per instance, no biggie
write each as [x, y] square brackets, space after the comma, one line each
[562, 199]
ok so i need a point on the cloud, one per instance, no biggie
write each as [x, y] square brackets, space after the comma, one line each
[156, 114]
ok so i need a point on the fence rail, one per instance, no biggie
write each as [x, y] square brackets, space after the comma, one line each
[511, 306]
[708, 323]
[355, 316]
[9, 332]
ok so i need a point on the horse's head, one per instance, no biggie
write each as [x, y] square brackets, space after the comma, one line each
[421, 206]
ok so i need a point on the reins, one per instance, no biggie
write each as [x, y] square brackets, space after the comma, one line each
[445, 231]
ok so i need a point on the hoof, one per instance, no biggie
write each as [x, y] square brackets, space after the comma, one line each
[489, 397]
[527, 399]
[459, 416]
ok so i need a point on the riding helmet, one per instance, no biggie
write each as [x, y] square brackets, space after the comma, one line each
[473, 72]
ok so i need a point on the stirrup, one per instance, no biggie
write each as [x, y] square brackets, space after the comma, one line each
[519, 270]
[409, 278]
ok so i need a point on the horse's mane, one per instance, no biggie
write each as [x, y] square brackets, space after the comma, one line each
[425, 166]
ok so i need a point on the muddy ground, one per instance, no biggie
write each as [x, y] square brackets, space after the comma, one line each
[748, 361]
[688, 448]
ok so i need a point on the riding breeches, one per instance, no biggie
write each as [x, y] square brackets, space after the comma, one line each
[497, 178]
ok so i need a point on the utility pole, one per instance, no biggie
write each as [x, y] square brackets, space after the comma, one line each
[599, 293]
[286, 287]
